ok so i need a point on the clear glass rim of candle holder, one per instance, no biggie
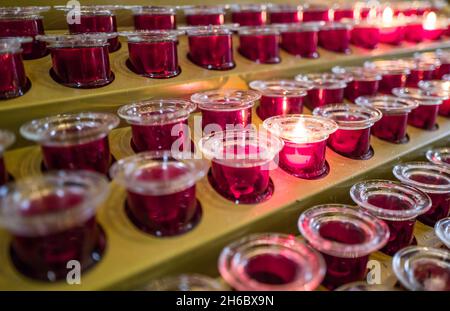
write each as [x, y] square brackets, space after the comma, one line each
[375, 230]
[92, 9]
[335, 26]
[418, 201]
[7, 138]
[157, 111]
[324, 83]
[417, 64]
[322, 76]
[422, 97]
[442, 231]
[218, 30]
[15, 200]
[404, 171]
[151, 9]
[357, 73]
[13, 44]
[386, 67]
[440, 88]
[127, 172]
[185, 282]
[367, 115]
[301, 128]
[299, 27]
[225, 99]
[84, 40]
[387, 104]
[151, 35]
[248, 7]
[283, 8]
[69, 129]
[215, 147]
[280, 88]
[203, 9]
[363, 286]
[23, 12]
[436, 156]
[258, 30]
[234, 258]
[407, 259]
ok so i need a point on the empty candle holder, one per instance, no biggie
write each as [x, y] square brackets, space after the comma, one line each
[284, 13]
[335, 36]
[225, 109]
[442, 231]
[260, 44]
[153, 53]
[305, 139]
[158, 124]
[185, 283]
[440, 89]
[300, 39]
[425, 115]
[271, 262]
[73, 141]
[420, 71]
[352, 139]
[249, 14]
[204, 15]
[392, 125]
[240, 164]
[52, 222]
[25, 21]
[439, 156]
[80, 61]
[397, 204]
[362, 82]
[211, 47]
[149, 17]
[432, 179]
[365, 33]
[316, 13]
[13, 80]
[421, 268]
[346, 237]
[279, 97]
[6, 140]
[393, 74]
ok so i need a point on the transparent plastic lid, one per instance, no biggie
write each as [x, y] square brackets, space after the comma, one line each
[151, 9]
[436, 87]
[7, 138]
[429, 178]
[226, 99]
[442, 230]
[349, 116]
[77, 40]
[185, 283]
[22, 12]
[387, 104]
[422, 97]
[13, 44]
[151, 35]
[439, 156]
[280, 88]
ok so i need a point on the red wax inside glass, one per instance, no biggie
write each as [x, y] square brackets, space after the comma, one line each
[158, 59]
[212, 51]
[390, 81]
[433, 34]
[285, 17]
[315, 15]
[154, 21]
[13, 81]
[222, 118]
[392, 35]
[418, 75]
[353, 143]
[249, 18]
[442, 70]
[336, 40]
[343, 13]
[3, 172]
[97, 23]
[271, 269]
[204, 19]
[432, 276]
[25, 28]
[320, 97]
[270, 106]
[391, 127]
[357, 88]
[82, 66]
[45, 257]
[366, 37]
[424, 117]
[414, 32]
[94, 156]
[261, 48]
[444, 108]
[342, 270]
[302, 43]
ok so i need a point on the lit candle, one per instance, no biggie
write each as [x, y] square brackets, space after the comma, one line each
[391, 31]
[433, 27]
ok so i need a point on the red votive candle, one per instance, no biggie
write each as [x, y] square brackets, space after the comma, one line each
[365, 34]
[342, 11]
[300, 39]
[249, 14]
[80, 61]
[392, 125]
[158, 124]
[203, 15]
[421, 268]
[25, 22]
[335, 37]
[284, 14]
[279, 97]
[352, 139]
[211, 47]
[271, 262]
[73, 141]
[6, 140]
[346, 237]
[420, 71]
[225, 109]
[414, 31]
[361, 82]
[398, 205]
[305, 139]
[440, 89]
[161, 191]
[440, 156]
[149, 17]
[439, 56]
[260, 44]
[52, 222]
[434, 27]
[432, 179]
[316, 13]
[185, 282]
[240, 164]
[442, 231]
[392, 34]
[393, 74]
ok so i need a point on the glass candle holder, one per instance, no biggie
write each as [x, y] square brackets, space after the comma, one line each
[420, 71]
[342, 11]
[300, 39]
[352, 139]
[440, 89]
[225, 109]
[392, 125]
[365, 34]
[439, 56]
[284, 13]
[25, 21]
[240, 164]
[414, 31]
[316, 13]
[442, 231]
[149, 17]
[305, 139]
[424, 116]
[13, 80]
[432, 179]
[440, 156]
[335, 37]
[249, 14]
[279, 97]
[271, 262]
[398, 205]
[161, 191]
[80, 61]
[95, 19]
[393, 74]
[436, 29]
[185, 283]
[362, 82]
[211, 47]
[73, 141]
[346, 237]
[6, 140]
[153, 53]
[260, 44]
[392, 33]
[421, 268]
[203, 15]
[52, 221]
[158, 124]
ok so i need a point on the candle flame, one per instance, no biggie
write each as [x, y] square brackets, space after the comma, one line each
[357, 11]
[299, 130]
[388, 16]
[430, 21]
[372, 14]
[331, 15]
